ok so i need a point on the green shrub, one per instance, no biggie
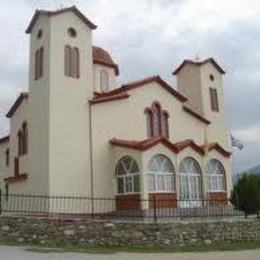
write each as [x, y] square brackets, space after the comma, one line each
[246, 194]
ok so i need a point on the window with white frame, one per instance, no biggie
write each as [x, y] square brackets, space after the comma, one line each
[160, 174]
[128, 176]
[190, 179]
[104, 79]
[216, 176]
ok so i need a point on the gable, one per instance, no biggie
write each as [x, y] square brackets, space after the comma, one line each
[73, 9]
[17, 104]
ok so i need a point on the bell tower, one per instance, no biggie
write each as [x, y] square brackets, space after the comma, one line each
[60, 84]
[201, 81]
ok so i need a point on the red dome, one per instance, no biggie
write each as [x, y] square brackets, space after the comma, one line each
[102, 57]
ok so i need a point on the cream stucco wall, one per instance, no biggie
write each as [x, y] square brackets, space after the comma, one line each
[218, 129]
[38, 111]
[69, 122]
[3, 168]
[130, 124]
[189, 82]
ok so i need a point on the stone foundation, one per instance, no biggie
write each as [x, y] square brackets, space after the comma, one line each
[83, 232]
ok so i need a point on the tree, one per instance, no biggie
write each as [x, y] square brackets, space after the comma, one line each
[246, 194]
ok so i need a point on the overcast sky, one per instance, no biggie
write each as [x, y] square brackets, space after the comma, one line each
[148, 37]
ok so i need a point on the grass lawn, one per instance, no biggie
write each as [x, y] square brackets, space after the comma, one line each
[221, 246]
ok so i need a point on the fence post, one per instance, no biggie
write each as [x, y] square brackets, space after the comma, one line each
[154, 208]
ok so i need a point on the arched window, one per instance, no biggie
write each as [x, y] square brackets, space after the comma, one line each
[165, 124]
[157, 121]
[104, 80]
[67, 57]
[75, 63]
[38, 70]
[160, 174]
[128, 176]
[72, 62]
[20, 142]
[149, 122]
[190, 179]
[25, 138]
[216, 176]
[7, 156]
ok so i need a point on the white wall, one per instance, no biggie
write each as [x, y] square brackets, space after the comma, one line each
[3, 168]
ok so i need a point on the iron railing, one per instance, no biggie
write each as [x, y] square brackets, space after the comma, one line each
[124, 207]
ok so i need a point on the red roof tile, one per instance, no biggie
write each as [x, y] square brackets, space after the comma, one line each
[144, 82]
[189, 143]
[52, 13]
[143, 145]
[149, 143]
[4, 139]
[19, 178]
[102, 57]
[100, 99]
[199, 63]
[17, 103]
[196, 115]
[220, 149]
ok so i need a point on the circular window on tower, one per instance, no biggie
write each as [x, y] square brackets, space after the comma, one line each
[212, 78]
[39, 34]
[72, 32]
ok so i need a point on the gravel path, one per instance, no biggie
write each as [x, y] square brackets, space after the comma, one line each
[17, 253]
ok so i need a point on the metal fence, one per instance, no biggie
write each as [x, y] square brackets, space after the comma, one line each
[152, 209]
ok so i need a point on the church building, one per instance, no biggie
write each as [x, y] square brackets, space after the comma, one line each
[76, 133]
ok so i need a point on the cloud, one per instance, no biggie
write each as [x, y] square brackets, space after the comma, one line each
[250, 134]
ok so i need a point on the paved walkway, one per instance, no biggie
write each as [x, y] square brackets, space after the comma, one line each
[16, 253]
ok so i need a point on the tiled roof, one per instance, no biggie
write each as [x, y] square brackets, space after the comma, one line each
[144, 82]
[100, 99]
[189, 143]
[4, 139]
[102, 57]
[199, 63]
[15, 179]
[175, 147]
[52, 13]
[220, 149]
[149, 143]
[195, 114]
[17, 103]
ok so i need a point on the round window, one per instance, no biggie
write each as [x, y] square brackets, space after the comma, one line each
[72, 32]
[211, 77]
[39, 34]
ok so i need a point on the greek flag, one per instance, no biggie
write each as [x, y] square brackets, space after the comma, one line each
[236, 143]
